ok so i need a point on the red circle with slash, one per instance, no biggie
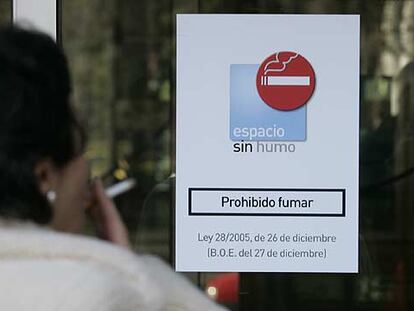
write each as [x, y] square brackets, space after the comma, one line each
[285, 80]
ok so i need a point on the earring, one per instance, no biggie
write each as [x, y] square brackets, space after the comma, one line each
[51, 196]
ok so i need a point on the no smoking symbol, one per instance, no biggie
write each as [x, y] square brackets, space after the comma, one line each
[285, 81]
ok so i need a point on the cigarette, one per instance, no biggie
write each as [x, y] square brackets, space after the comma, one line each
[120, 187]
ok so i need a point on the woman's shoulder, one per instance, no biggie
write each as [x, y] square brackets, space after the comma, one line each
[25, 241]
[81, 271]
[90, 265]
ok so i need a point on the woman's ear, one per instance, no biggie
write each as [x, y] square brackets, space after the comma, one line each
[46, 175]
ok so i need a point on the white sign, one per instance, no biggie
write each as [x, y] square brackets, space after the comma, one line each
[267, 143]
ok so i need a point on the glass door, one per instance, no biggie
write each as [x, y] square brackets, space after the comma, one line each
[122, 55]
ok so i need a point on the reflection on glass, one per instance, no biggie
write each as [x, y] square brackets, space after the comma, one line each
[120, 55]
[5, 12]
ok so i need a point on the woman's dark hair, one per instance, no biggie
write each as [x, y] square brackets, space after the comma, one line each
[36, 120]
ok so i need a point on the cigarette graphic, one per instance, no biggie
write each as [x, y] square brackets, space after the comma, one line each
[279, 66]
[285, 80]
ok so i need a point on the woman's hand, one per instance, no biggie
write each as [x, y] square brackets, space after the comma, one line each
[106, 217]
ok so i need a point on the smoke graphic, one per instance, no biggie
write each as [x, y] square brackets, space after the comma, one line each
[279, 64]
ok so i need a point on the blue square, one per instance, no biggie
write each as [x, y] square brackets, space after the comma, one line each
[252, 119]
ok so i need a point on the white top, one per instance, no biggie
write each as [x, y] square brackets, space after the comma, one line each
[43, 270]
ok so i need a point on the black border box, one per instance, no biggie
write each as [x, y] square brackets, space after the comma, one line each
[191, 213]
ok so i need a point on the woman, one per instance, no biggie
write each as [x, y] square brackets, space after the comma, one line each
[44, 190]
